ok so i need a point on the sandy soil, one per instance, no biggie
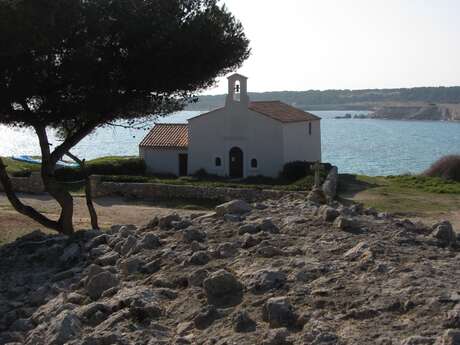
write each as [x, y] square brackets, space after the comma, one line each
[111, 210]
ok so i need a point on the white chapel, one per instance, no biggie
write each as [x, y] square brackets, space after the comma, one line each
[241, 139]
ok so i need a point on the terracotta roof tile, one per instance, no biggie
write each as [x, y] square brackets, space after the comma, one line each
[281, 111]
[167, 136]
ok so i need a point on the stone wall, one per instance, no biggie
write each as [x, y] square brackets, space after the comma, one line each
[32, 184]
[165, 191]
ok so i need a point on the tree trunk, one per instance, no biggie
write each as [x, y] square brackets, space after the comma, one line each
[89, 203]
[89, 198]
[63, 197]
[22, 208]
[53, 187]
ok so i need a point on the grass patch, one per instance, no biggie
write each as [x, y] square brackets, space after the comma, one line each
[426, 184]
[405, 195]
[19, 169]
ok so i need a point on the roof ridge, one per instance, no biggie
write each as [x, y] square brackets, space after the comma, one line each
[282, 111]
[272, 101]
[169, 124]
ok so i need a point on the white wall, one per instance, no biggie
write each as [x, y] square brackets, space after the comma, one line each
[257, 135]
[269, 141]
[161, 161]
[299, 144]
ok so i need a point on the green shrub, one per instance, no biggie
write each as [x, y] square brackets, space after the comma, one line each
[69, 174]
[104, 166]
[305, 183]
[260, 179]
[164, 176]
[293, 171]
[202, 174]
[21, 173]
[117, 166]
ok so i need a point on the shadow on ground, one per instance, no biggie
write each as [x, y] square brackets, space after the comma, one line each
[349, 186]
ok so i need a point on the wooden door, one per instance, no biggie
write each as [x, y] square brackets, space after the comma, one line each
[236, 162]
[183, 160]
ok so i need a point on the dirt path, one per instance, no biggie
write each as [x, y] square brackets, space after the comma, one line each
[111, 210]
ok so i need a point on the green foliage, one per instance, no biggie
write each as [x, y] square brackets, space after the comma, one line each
[426, 184]
[104, 166]
[117, 166]
[293, 171]
[127, 166]
[76, 65]
[81, 64]
[263, 180]
[305, 183]
[202, 174]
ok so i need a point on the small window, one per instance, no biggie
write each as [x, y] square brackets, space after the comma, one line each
[254, 163]
[309, 128]
[218, 162]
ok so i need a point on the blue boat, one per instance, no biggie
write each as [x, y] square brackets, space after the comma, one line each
[30, 160]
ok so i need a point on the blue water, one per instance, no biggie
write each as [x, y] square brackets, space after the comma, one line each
[371, 147]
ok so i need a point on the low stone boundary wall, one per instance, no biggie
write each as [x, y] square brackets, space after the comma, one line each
[32, 184]
[165, 191]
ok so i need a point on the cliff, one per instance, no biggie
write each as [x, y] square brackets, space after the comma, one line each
[432, 112]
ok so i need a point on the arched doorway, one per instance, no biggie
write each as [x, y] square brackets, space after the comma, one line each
[236, 162]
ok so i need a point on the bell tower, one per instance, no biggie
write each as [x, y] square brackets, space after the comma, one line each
[237, 90]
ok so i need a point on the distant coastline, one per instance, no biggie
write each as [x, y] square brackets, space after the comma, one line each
[411, 112]
[423, 103]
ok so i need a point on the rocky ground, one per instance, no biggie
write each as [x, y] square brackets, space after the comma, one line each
[274, 273]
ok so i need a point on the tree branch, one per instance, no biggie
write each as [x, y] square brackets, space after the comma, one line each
[76, 159]
[88, 193]
[140, 125]
[73, 140]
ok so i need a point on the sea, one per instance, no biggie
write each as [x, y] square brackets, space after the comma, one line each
[359, 146]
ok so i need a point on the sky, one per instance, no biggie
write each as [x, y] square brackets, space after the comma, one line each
[348, 44]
